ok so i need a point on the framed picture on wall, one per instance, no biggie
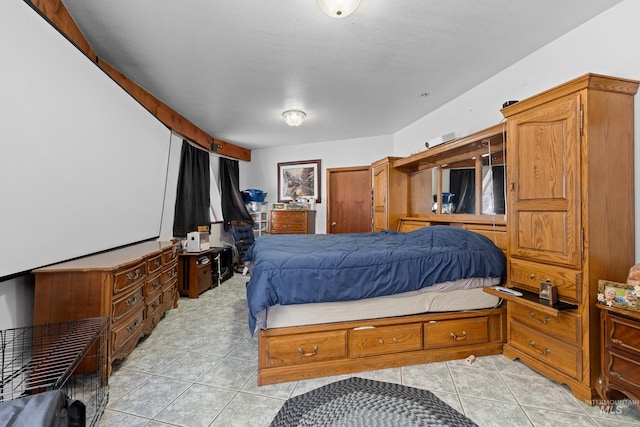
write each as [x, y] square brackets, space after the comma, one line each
[299, 179]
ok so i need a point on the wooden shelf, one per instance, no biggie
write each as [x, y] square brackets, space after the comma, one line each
[532, 300]
[456, 150]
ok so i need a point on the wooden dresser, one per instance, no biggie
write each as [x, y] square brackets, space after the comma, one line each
[620, 355]
[292, 222]
[570, 220]
[133, 286]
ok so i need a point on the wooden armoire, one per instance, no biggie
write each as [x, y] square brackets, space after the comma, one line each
[570, 219]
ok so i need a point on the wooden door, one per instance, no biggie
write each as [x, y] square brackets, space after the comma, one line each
[544, 181]
[349, 200]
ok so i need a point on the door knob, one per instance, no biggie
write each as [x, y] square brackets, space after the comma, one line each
[333, 224]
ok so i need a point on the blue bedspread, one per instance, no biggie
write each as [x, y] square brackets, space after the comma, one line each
[298, 269]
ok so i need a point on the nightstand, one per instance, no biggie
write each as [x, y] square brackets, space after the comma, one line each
[620, 351]
[195, 272]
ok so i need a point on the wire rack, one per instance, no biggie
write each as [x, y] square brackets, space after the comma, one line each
[71, 356]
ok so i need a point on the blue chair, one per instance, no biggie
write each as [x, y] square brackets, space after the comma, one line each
[243, 239]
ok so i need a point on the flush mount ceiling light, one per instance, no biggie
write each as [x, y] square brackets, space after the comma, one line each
[338, 8]
[294, 117]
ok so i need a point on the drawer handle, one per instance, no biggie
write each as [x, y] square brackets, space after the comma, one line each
[544, 352]
[157, 263]
[457, 338]
[155, 304]
[544, 321]
[315, 351]
[134, 326]
[532, 276]
[131, 301]
[132, 276]
[615, 374]
[381, 341]
[156, 284]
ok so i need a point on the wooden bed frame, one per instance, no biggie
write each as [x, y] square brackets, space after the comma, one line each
[303, 352]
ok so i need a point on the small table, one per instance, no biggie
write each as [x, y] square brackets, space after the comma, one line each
[195, 272]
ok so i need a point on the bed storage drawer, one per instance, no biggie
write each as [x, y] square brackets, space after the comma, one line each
[385, 339]
[555, 353]
[306, 348]
[450, 333]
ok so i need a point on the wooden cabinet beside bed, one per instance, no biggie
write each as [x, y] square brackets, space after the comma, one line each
[301, 352]
[570, 220]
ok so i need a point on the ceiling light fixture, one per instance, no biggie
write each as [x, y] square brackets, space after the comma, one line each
[338, 8]
[294, 117]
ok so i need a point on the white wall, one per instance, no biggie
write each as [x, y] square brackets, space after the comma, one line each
[607, 44]
[262, 171]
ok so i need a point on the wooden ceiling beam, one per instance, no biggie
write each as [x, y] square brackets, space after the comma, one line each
[58, 16]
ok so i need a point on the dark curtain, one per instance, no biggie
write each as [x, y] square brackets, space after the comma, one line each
[233, 207]
[462, 183]
[498, 189]
[193, 194]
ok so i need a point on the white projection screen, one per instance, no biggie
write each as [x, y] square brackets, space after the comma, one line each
[82, 164]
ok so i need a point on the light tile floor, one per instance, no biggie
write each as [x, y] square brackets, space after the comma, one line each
[198, 368]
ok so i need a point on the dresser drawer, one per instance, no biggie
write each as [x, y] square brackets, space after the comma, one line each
[125, 335]
[450, 333]
[153, 284]
[565, 327]
[154, 264]
[154, 305]
[129, 277]
[127, 303]
[528, 275]
[563, 357]
[284, 228]
[170, 295]
[622, 369]
[170, 255]
[306, 348]
[170, 274]
[153, 312]
[385, 340]
[622, 334]
[289, 216]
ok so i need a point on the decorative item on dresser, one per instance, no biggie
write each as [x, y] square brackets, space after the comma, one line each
[134, 286]
[292, 221]
[570, 220]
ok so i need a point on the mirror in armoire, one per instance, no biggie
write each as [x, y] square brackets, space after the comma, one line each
[460, 192]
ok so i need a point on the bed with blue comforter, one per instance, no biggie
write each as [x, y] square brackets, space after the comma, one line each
[299, 269]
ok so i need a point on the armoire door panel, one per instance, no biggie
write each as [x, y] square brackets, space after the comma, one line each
[543, 232]
[545, 202]
[542, 168]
